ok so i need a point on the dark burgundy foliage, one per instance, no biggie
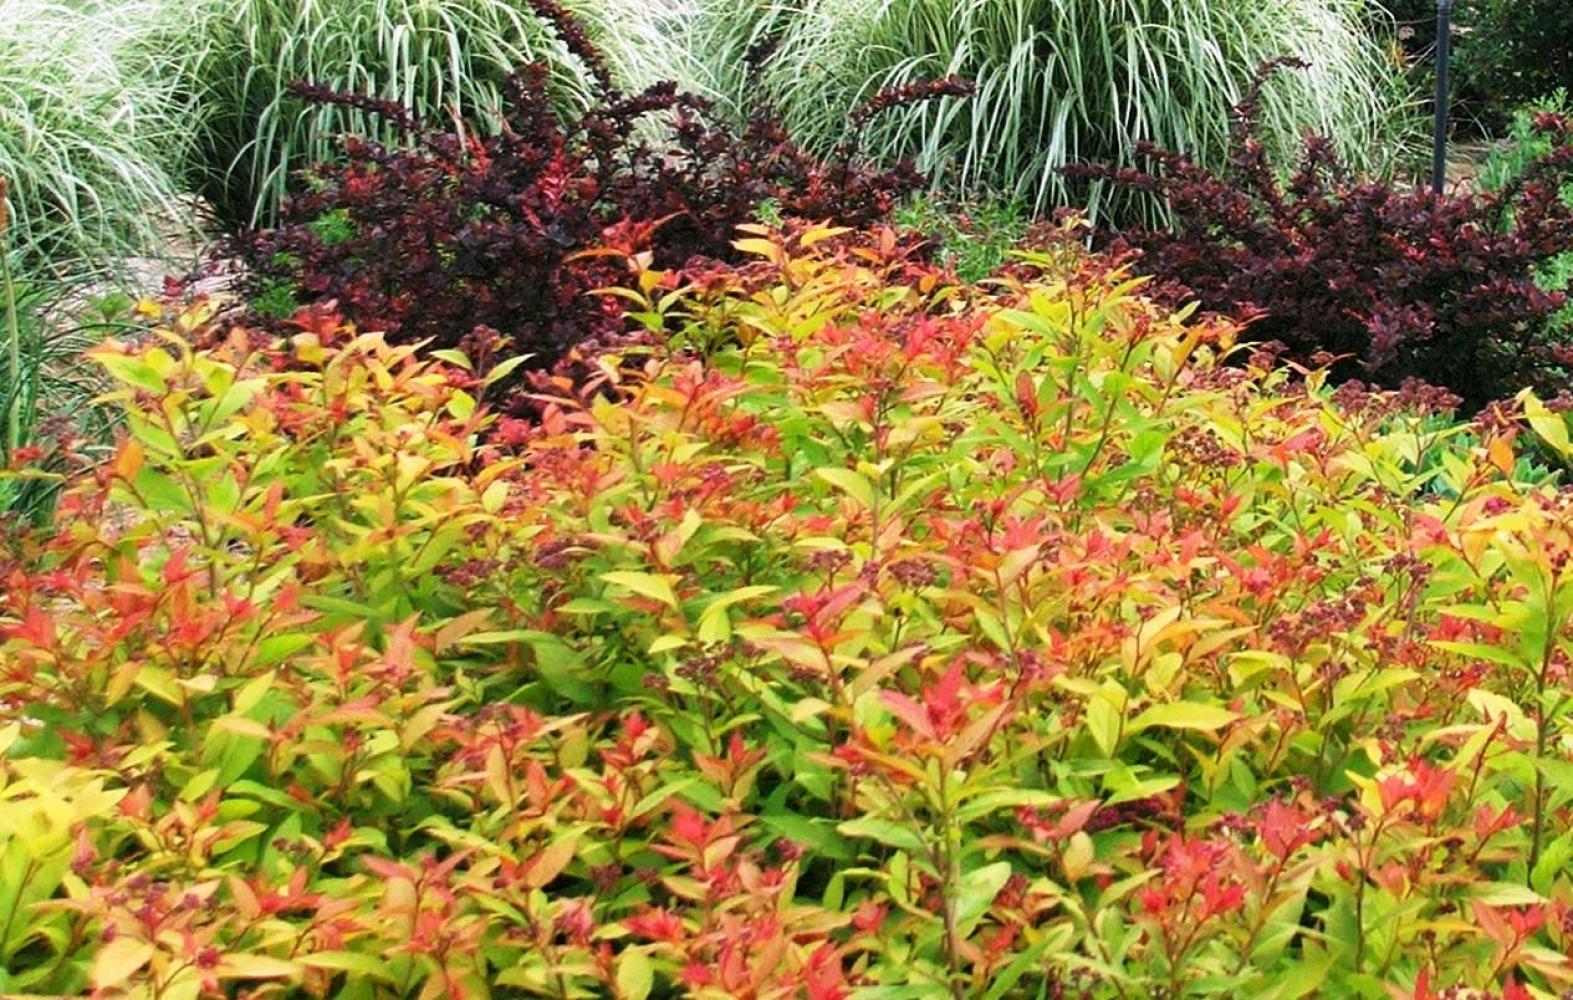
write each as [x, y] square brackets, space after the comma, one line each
[1396, 281]
[462, 240]
[910, 93]
[574, 37]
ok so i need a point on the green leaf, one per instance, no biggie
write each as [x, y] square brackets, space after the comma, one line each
[1005, 798]
[656, 587]
[1553, 861]
[635, 976]
[1000, 984]
[504, 368]
[1125, 785]
[132, 371]
[849, 482]
[159, 493]
[659, 796]
[252, 692]
[338, 606]
[236, 398]
[246, 788]
[1184, 715]
[1481, 651]
[587, 606]
[976, 893]
[199, 784]
[1551, 427]
[992, 627]
[560, 667]
[452, 357]
[887, 833]
[1303, 977]
[819, 834]
[1105, 713]
[1360, 686]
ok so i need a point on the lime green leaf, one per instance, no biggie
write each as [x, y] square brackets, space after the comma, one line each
[976, 893]
[635, 976]
[160, 683]
[1507, 894]
[1005, 798]
[1184, 715]
[715, 624]
[132, 371]
[656, 587]
[887, 833]
[667, 643]
[1551, 427]
[850, 483]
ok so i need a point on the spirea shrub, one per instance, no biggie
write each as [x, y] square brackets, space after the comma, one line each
[915, 640]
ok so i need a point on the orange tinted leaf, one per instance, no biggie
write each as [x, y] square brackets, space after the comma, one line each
[550, 862]
[119, 960]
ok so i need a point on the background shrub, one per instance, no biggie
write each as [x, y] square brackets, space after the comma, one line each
[1513, 52]
[1505, 54]
[975, 238]
[1525, 143]
[1398, 281]
[451, 242]
[1058, 82]
[1409, 24]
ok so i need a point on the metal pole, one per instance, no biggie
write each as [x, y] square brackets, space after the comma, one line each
[1444, 53]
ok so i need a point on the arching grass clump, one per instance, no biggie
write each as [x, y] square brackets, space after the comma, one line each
[1059, 81]
[445, 60]
[88, 130]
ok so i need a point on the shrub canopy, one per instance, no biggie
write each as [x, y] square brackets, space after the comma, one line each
[883, 636]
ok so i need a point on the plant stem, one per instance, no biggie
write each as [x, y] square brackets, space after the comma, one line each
[13, 325]
[953, 942]
[1542, 679]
